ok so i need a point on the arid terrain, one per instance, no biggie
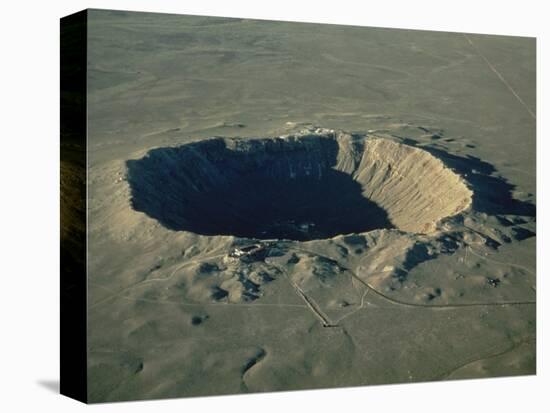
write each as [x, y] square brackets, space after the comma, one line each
[281, 206]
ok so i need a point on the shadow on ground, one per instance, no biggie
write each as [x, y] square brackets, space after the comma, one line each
[51, 385]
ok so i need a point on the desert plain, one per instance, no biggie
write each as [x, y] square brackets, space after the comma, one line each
[284, 206]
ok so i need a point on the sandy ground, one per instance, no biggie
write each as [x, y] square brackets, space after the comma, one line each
[172, 313]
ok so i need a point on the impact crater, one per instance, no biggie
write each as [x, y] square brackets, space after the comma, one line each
[315, 184]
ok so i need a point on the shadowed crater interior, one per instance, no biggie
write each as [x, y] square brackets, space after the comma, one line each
[309, 186]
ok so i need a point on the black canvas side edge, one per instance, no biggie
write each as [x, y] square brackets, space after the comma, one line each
[73, 153]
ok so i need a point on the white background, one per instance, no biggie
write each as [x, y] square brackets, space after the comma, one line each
[29, 204]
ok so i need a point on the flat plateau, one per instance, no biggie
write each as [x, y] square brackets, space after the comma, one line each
[217, 293]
